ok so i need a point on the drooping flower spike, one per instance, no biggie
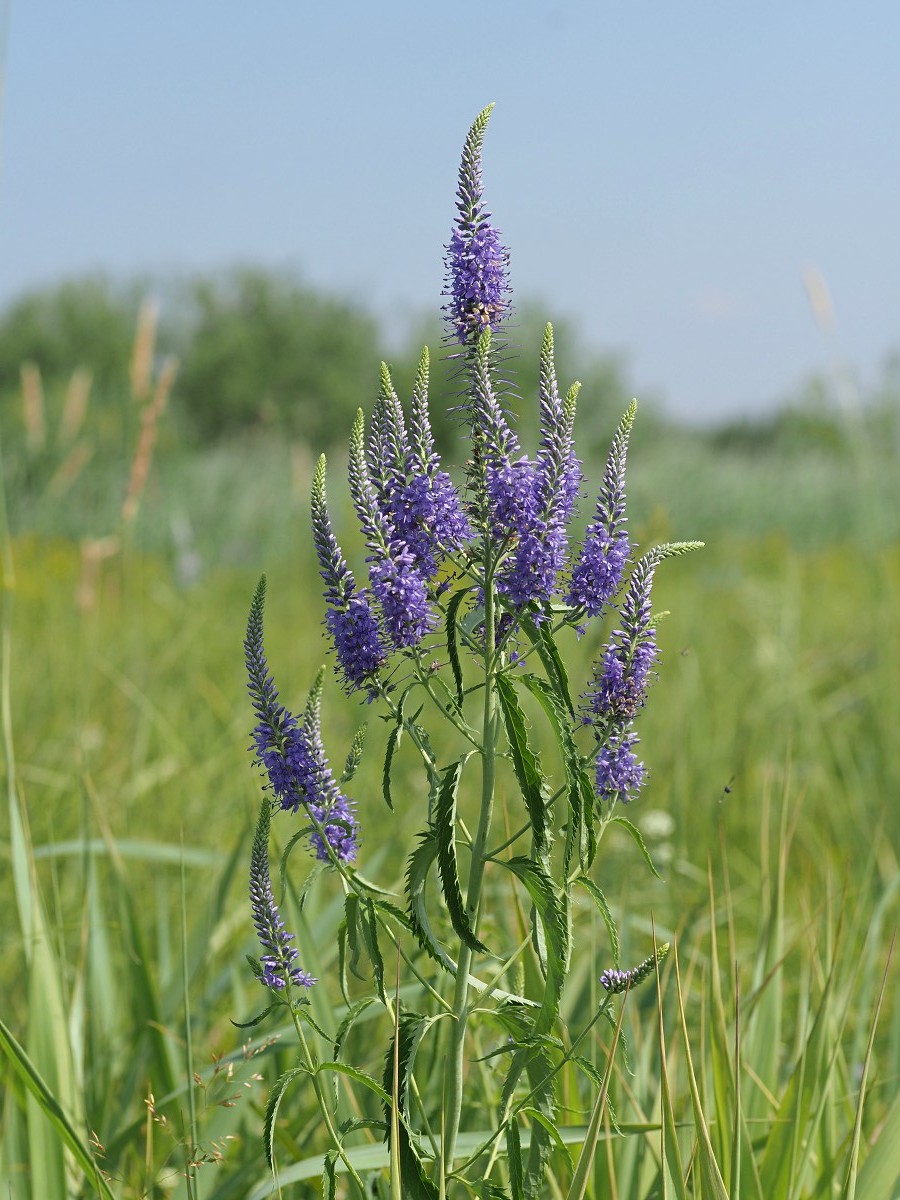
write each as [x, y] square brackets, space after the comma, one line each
[476, 260]
[616, 981]
[277, 963]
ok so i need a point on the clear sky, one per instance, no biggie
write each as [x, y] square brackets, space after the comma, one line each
[663, 172]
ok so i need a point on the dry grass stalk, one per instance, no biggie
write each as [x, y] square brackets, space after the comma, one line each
[141, 368]
[78, 394]
[93, 553]
[143, 456]
[33, 406]
[70, 468]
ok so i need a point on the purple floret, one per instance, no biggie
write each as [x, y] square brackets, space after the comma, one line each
[598, 574]
[619, 773]
[402, 594]
[477, 265]
[357, 641]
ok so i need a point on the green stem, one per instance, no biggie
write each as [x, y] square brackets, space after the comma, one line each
[490, 732]
[323, 1107]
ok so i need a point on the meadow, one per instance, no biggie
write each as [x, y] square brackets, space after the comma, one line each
[770, 813]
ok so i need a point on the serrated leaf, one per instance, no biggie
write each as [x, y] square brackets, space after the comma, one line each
[580, 814]
[417, 868]
[514, 1154]
[551, 910]
[351, 928]
[638, 838]
[445, 833]
[525, 764]
[256, 1020]
[329, 1182]
[349, 1017]
[272, 1105]
[452, 648]
[355, 1074]
[392, 743]
[369, 929]
[603, 907]
[543, 641]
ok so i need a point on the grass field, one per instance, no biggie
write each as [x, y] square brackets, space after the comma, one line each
[771, 812]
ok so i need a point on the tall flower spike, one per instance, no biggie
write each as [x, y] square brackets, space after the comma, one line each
[291, 752]
[350, 621]
[427, 512]
[620, 677]
[396, 581]
[278, 970]
[598, 574]
[541, 550]
[476, 261]
[279, 746]
[331, 808]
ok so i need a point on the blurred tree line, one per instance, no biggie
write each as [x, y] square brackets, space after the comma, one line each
[262, 351]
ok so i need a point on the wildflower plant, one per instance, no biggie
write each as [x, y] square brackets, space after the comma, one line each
[472, 588]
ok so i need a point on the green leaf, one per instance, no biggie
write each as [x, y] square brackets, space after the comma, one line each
[514, 1155]
[329, 1182]
[526, 765]
[638, 839]
[579, 833]
[272, 1105]
[257, 1019]
[543, 641]
[369, 929]
[392, 743]
[445, 832]
[417, 869]
[603, 907]
[452, 648]
[26, 1071]
[551, 910]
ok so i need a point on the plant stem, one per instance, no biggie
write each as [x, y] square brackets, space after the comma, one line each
[323, 1107]
[490, 731]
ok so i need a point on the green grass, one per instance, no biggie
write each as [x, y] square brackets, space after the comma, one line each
[772, 744]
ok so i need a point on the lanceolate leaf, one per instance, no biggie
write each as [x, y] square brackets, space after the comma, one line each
[579, 833]
[369, 929]
[600, 900]
[452, 648]
[552, 913]
[638, 838]
[417, 870]
[349, 1017]
[392, 743]
[526, 765]
[445, 830]
[272, 1111]
[542, 640]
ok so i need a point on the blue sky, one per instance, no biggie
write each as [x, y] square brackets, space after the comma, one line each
[663, 173]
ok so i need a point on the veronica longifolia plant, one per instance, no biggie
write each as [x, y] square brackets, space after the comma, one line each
[469, 591]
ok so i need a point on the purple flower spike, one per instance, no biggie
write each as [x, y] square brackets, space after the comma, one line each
[278, 970]
[353, 628]
[540, 517]
[598, 574]
[477, 262]
[331, 808]
[396, 581]
[292, 753]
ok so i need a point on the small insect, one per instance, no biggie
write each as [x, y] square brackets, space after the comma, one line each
[726, 790]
